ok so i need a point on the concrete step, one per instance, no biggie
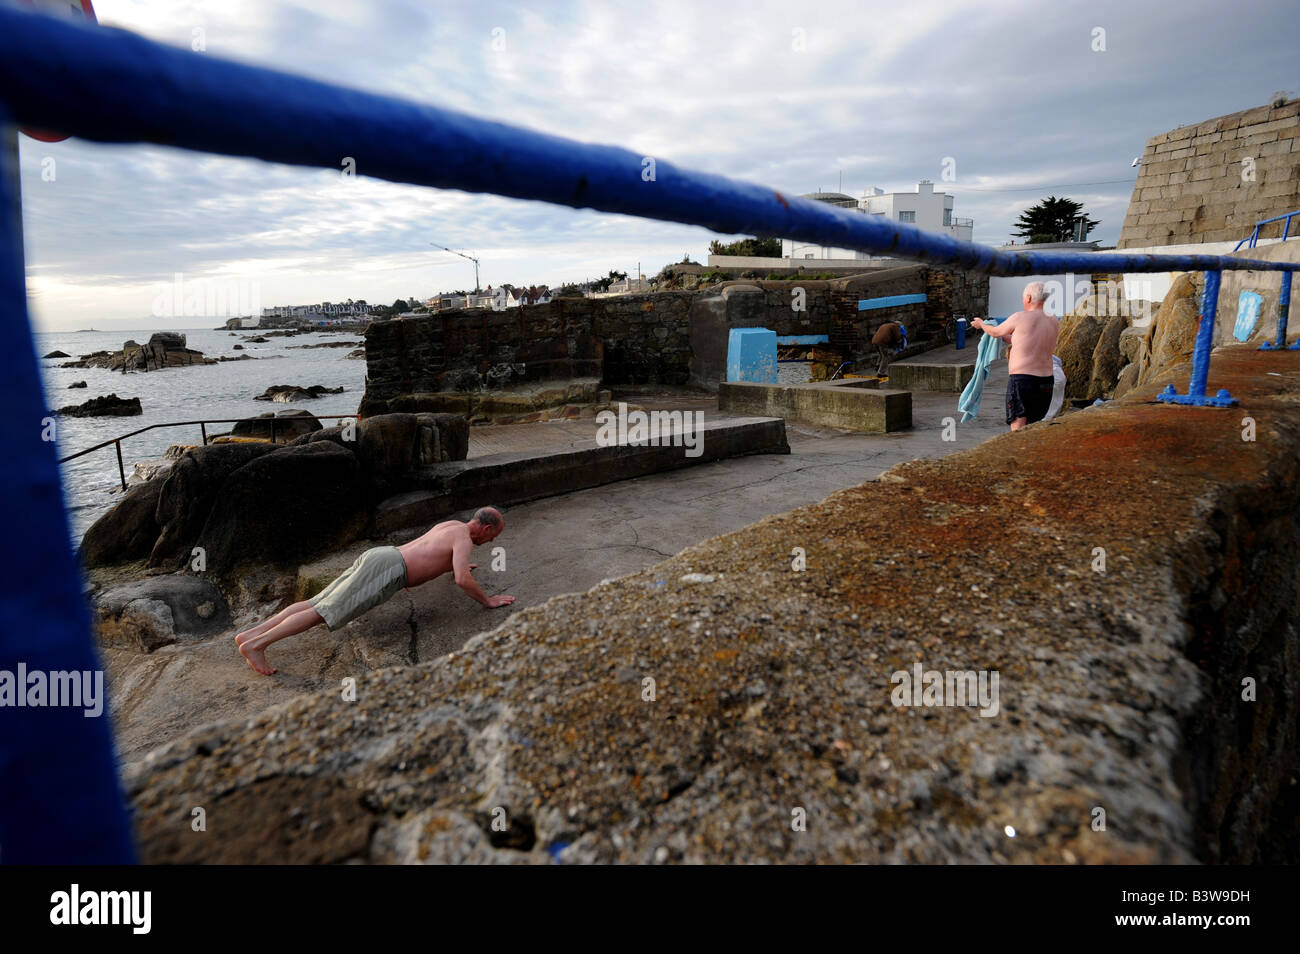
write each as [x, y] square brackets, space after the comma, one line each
[857, 404]
[943, 369]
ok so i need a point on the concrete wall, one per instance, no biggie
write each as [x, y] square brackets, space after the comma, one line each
[1196, 183]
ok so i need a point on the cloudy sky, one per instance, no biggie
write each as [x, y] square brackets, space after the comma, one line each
[785, 94]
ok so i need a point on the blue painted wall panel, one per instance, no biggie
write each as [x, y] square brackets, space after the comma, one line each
[751, 355]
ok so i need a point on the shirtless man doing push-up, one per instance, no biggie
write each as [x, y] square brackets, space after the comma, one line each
[376, 576]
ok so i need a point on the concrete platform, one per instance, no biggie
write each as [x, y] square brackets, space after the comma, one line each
[857, 404]
[943, 369]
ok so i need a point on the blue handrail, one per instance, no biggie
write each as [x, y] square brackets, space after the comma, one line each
[60, 801]
[1253, 238]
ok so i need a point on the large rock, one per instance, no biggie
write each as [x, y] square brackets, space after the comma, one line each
[1171, 336]
[147, 614]
[108, 406]
[288, 393]
[1075, 344]
[285, 506]
[289, 425]
[170, 340]
[1107, 359]
[1126, 382]
[187, 494]
[1130, 342]
[395, 448]
[126, 532]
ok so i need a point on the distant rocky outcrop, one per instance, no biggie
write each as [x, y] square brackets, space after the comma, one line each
[289, 393]
[166, 349]
[58, 354]
[106, 406]
[76, 384]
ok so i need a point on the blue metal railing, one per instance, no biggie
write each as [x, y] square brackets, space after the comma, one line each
[109, 85]
[1251, 240]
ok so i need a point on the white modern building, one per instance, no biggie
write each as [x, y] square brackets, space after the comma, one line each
[924, 208]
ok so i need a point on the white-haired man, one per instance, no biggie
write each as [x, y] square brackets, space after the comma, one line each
[1031, 334]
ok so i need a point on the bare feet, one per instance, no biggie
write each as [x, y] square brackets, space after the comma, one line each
[256, 657]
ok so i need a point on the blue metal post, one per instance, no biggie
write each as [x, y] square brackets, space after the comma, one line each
[1283, 309]
[1201, 357]
[59, 797]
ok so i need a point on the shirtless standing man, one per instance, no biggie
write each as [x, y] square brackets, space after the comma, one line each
[1033, 338]
[376, 576]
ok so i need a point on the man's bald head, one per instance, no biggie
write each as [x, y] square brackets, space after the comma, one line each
[486, 524]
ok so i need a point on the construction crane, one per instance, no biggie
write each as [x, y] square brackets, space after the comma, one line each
[462, 255]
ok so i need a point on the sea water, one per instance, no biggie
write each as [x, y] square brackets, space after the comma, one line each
[199, 392]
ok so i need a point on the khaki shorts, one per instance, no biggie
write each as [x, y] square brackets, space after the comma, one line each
[372, 579]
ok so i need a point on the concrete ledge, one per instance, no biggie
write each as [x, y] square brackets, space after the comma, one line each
[943, 369]
[506, 479]
[855, 404]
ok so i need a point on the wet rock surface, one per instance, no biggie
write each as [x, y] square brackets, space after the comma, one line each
[771, 693]
[105, 406]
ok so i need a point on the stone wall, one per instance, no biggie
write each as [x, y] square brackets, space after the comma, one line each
[1193, 185]
[664, 338]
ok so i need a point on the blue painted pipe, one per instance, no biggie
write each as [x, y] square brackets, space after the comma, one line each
[59, 798]
[1204, 336]
[110, 85]
[1283, 309]
[961, 333]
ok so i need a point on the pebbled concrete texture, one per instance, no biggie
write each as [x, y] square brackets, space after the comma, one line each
[771, 693]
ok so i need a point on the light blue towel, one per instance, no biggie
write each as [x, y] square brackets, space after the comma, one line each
[989, 350]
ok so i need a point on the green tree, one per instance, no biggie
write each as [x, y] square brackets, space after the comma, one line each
[752, 247]
[1053, 220]
[601, 284]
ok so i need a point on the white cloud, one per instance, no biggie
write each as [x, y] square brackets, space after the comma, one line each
[880, 93]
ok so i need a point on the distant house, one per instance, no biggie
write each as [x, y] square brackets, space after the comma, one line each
[532, 295]
[924, 208]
